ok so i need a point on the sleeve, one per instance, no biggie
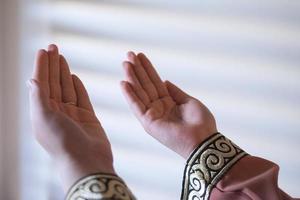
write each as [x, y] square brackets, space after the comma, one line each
[100, 187]
[219, 169]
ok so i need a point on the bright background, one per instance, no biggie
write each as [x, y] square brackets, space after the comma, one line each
[241, 58]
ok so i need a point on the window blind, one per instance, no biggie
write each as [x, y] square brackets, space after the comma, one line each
[240, 58]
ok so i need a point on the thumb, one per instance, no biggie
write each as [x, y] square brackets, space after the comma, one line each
[176, 93]
[39, 102]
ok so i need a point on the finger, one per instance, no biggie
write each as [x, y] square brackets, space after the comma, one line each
[39, 101]
[41, 70]
[142, 76]
[179, 96]
[156, 80]
[134, 102]
[67, 86]
[83, 100]
[134, 82]
[54, 73]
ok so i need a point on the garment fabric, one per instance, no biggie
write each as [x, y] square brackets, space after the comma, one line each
[216, 169]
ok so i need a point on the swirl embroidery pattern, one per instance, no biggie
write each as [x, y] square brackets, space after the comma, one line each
[100, 187]
[206, 166]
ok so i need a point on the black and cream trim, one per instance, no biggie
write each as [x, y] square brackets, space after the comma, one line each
[100, 187]
[206, 166]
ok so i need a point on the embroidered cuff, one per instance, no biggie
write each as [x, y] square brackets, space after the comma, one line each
[100, 187]
[206, 166]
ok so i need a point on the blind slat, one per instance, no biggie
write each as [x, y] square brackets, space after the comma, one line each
[240, 58]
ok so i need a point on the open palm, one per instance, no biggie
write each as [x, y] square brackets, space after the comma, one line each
[63, 119]
[174, 118]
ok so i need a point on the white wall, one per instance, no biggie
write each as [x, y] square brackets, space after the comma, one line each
[9, 80]
[240, 58]
[1, 95]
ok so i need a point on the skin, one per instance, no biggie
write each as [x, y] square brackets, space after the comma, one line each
[63, 120]
[174, 118]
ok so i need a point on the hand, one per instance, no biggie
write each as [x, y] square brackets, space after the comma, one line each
[171, 116]
[64, 122]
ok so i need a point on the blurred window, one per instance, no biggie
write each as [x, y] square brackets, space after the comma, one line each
[241, 58]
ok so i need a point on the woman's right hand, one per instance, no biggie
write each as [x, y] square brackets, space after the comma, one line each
[173, 117]
[64, 122]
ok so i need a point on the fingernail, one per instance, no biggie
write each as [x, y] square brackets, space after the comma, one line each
[140, 54]
[130, 54]
[168, 82]
[122, 82]
[42, 51]
[52, 47]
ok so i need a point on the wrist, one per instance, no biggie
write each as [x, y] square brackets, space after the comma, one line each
[71, 170]
[207, 164]
[196, 138]
[100, 186]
